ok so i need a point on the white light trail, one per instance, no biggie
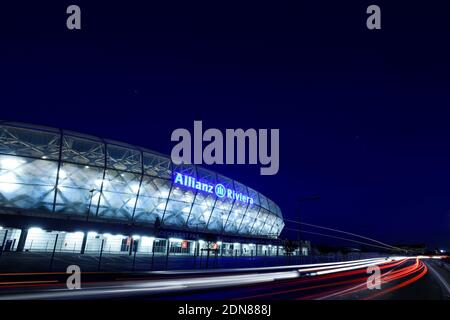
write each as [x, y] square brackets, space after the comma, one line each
[157, 286]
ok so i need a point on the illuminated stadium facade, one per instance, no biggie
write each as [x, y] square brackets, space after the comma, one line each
[75, 180]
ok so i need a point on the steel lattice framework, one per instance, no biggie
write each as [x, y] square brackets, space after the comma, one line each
[60, 173]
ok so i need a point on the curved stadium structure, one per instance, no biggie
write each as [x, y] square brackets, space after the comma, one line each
[58, 174]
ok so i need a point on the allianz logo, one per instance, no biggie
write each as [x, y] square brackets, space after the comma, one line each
[218, 189]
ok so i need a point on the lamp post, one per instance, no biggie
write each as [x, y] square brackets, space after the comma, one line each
[91, 195]
[300, 201]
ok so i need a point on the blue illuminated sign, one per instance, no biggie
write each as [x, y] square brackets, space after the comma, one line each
[218, 189]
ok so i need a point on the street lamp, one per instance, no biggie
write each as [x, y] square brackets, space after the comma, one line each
[91, 195]
[300, 201]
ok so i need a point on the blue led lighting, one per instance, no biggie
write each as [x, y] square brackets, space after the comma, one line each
[217, 189]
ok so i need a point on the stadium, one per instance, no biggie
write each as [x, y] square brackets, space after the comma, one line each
[79, 193]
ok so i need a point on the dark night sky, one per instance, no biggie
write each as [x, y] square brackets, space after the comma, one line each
[363, 115]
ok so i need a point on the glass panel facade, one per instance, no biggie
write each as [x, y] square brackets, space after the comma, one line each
[238, 211]
[65, 173]
[204, 202]
[152, 200]
[122, 158]
[260, 221]
[261, 217]
[118, 198]
[178, 207]
[180, 201]
[27, 183]
[222, 207]
[29, 142]
[77, 186]
[158, 166]
[251, 214]
[268, 224]
[277, 227]
[83, 151]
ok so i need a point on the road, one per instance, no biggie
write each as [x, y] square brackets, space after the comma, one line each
[400, 278]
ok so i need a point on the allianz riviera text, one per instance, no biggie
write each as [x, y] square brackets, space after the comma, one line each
[218, 189]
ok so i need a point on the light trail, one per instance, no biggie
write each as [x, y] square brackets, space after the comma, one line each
[361, 285]
[419, 267]
[343, 287]
[287, 267]
[349, 267]
[416, 270]
[345, 232]
[333, 273]
[319, 278]
[341, 238]
[332, 280]
[264, 274]
[156, 286]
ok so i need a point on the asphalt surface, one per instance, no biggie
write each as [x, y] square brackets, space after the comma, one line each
[401, 278]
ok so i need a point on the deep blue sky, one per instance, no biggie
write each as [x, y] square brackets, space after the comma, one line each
[363, 115]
